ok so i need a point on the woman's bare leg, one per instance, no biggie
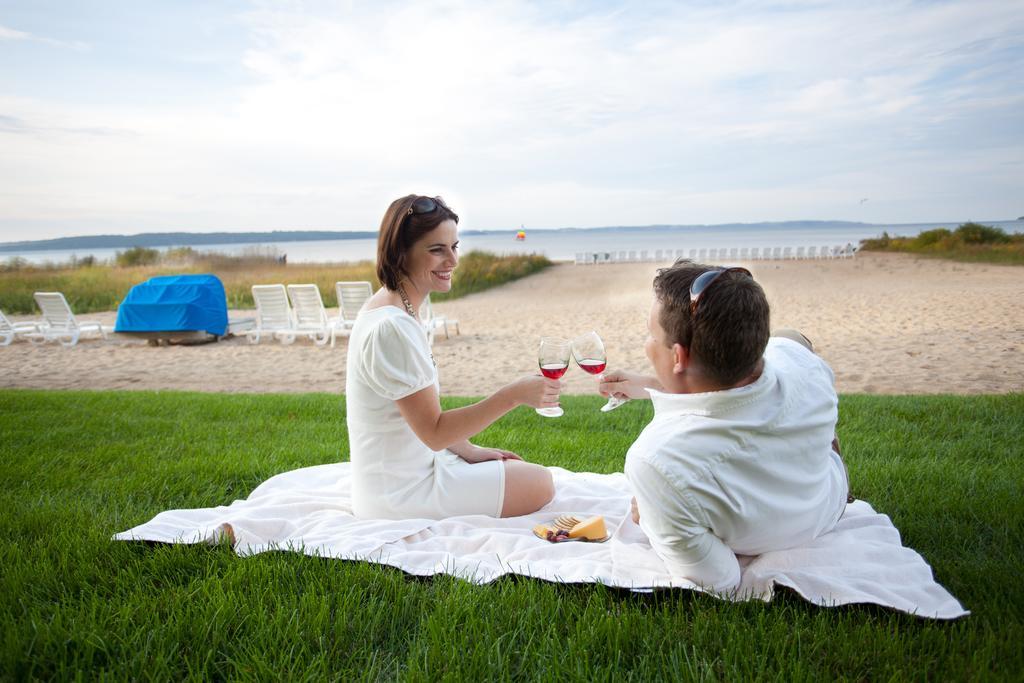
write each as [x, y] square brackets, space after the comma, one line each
[528, 488]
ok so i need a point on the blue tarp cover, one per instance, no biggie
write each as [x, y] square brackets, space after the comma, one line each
[174, 303]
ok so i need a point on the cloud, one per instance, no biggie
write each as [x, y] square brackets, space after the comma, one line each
[18, 126]
[10, 34]
[448, 71]
[548, 114]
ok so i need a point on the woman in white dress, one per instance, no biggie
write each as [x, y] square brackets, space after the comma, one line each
[409, 457]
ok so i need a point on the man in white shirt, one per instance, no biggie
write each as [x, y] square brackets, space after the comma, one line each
[741, 456]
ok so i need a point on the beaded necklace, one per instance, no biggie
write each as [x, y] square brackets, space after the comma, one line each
[410, 311]
[405, 301]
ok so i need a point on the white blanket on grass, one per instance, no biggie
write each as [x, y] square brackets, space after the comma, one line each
[309, 511]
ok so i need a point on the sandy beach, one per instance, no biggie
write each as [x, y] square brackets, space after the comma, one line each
[887, 324]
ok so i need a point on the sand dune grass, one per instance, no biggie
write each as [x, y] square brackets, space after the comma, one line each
[101, 287]
[970, 242]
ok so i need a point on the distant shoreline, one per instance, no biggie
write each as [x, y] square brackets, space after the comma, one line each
[196, 239]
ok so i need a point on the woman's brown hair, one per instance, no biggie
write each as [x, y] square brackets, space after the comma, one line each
[399, 230]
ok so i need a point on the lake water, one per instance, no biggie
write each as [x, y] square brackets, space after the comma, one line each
[563, 244]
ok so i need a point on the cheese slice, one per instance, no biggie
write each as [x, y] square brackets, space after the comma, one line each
[592, 529]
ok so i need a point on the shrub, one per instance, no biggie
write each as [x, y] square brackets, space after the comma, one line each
[974, 233]
[970, 242]
[137, 256]
[179, 255]
[932, 238]
[13, 263]
[877, 243]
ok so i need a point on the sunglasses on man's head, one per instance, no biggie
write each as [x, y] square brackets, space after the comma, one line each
[703, 281]
[426, 205]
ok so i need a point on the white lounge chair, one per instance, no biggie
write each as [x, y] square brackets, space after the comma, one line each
[351, 297]
[310, 315]
[274, 316]
[10, 331]
[432, 321]
[59, 323]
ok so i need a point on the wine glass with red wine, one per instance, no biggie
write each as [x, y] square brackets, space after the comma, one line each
[553, 357]
[588, 350]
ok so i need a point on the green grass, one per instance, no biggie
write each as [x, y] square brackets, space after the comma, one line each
[971, 243]
[93, 288]
[79, 466]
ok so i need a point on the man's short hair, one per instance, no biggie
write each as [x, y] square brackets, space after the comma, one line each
[728, 336]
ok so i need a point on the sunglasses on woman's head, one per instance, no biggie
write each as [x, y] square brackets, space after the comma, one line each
[426, 205]
[703, 281]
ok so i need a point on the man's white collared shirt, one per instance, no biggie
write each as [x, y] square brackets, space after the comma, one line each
[742, 471]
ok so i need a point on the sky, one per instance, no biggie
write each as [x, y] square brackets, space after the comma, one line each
[128, 116]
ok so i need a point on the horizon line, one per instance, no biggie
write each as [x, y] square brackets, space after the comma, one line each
[369, 233]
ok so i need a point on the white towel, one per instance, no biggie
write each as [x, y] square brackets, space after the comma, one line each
[309, 511]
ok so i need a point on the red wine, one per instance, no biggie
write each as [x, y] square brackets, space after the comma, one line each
[553, 370]
[592, 365]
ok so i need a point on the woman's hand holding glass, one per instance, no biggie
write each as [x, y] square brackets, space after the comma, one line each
[553, 358]
[533, 390]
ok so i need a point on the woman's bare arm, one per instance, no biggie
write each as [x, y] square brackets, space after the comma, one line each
[441, 429]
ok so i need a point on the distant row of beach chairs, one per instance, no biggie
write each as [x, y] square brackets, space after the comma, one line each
[588, 258]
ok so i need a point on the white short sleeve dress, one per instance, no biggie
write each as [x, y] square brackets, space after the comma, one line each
[394, 474]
